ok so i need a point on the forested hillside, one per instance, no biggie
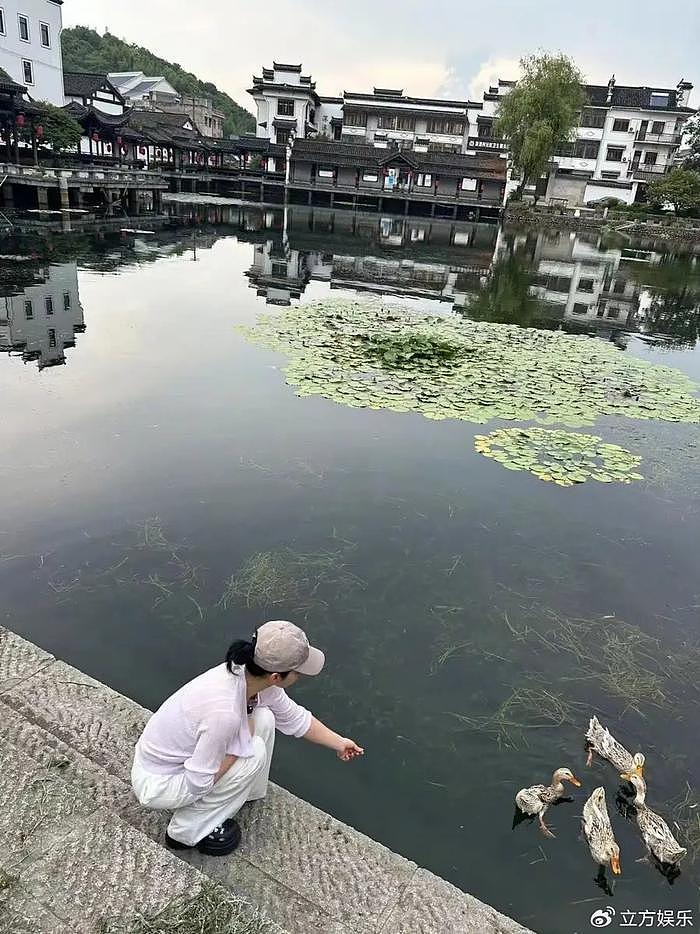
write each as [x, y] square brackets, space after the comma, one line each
[86, 50]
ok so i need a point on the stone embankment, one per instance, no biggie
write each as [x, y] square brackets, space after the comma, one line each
[76, 851]
[679, 231]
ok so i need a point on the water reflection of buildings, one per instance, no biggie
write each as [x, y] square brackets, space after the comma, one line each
[41, 321]
[406, 256]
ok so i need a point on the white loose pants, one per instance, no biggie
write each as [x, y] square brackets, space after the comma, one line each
[194, 818]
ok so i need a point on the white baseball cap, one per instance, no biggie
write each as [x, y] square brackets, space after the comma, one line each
[282, 646]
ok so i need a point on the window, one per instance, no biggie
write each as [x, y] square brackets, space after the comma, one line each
[370, 177]
[614, 153]
[468, 184]
[446, 127]
[658, 127]
[386, 122]
[283, 137]
[658, 99]
[610, 176]
[593, 118]
[326, 173]
[586, 150]
[45, 35]
[355, 118]
[28, 71]
[424, 180]
[49, 305]
[279, 270]
[405, 123]
[619, 286]
[66, 301]
[28, 310]
[52, 337]
[285, 107]
[585, 285]
[2, 22]
[650, 158]
[23, 27]
[613, 312]
[580, 309]
[621, 126]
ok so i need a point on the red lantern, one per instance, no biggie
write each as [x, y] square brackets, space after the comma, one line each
[95, 137]
[20, 121]
[142, 150]
[119, 140]
[39, 132]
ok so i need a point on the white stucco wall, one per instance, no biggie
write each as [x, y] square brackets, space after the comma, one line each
[47, 63]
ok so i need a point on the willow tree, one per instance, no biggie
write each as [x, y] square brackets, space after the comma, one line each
[540, 113]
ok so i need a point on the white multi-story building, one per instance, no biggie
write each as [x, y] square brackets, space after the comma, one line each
[287, 104]
[30, 47]
[390, 117]
[627, 136]
[42, 321]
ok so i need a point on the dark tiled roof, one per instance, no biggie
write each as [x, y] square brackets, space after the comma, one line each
[278, 67]
[83, 114]
[364, 154]
[9, 84]
[396, 97]
[86, 83]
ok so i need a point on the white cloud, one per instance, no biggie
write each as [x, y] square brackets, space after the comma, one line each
[490, 71]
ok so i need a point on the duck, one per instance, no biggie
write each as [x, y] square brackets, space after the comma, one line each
[599, 833]
[537, 798]
[601, 740]
[655, 832]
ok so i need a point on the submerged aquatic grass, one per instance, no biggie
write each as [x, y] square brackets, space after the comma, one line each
[531, 706]
[562, 457]
[363, 354]
[297, 579]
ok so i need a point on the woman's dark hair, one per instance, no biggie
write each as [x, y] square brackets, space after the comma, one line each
[242, 652]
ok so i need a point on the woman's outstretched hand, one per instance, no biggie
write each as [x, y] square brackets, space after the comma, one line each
[348, 749]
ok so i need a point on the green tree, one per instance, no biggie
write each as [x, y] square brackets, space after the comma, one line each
[86, 50]
[681, 188]
[60, 129]
[541, 112]
[692, 128]
[506, 297]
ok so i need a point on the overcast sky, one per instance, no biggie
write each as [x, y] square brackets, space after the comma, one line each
[431, 47]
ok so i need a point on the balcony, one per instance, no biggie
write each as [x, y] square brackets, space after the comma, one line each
[668, 139]
[647, 173]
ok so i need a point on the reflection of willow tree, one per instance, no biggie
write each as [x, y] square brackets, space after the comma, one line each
[506, 297]
[675, 299]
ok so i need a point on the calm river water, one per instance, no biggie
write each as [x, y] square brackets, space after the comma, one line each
[167, 453]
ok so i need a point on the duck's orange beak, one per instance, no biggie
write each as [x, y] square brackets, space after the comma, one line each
[615, 865]
[574, 781]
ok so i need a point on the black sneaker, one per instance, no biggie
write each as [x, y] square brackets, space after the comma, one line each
[223, 840]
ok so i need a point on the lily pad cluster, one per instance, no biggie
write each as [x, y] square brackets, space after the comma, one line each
[366, 354]
[560, 457]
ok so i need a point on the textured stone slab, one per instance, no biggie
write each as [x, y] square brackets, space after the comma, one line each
[296, 914]
[52, 753]
[106, 869]
[347, 874]
[86, 715]
[429, 905]
[21, 913]
[19, 659]
[37, 807]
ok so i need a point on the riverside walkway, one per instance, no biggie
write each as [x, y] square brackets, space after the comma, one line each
[77, 851]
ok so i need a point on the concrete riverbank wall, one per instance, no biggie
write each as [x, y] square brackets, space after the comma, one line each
[76, 849]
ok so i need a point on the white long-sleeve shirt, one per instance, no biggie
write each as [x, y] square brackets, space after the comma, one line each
[207, 719]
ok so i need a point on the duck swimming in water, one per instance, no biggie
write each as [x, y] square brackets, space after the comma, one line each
[601, 740]
[599, 833]
[656, 833]
[537, 798]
